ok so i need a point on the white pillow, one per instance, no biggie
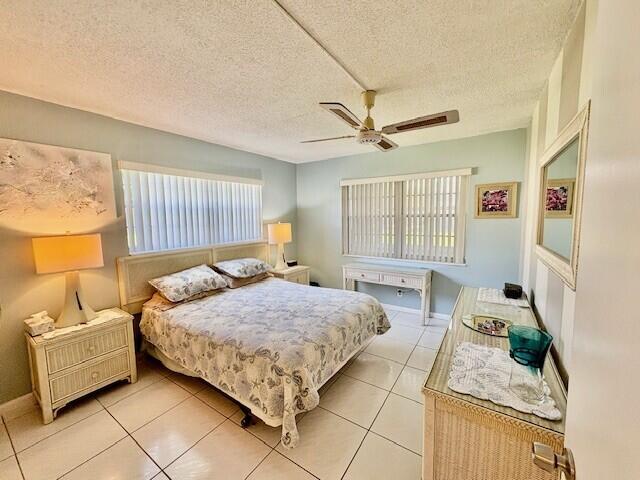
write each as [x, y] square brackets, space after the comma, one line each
[182, 285]
[243, 267]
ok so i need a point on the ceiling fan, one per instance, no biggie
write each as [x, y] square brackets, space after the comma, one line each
[367, 134]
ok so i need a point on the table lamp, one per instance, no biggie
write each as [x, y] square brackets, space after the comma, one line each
[279, 234]
[69, 254]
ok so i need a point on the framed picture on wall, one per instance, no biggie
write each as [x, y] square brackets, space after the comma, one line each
[497, 200]
[47, 189]
[559, 198]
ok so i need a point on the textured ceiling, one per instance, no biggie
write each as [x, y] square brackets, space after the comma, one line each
[240, 73]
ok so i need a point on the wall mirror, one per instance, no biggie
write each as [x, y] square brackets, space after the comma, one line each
[561, 181]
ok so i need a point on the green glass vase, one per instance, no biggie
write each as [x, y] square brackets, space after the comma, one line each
[528, 346]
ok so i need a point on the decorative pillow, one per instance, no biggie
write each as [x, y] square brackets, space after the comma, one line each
[242, 267]
[241, 282]
[182, 285]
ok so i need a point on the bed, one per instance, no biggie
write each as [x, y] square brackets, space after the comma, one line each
[269, 345]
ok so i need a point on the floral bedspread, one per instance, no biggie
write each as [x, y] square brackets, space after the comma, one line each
[270, 344]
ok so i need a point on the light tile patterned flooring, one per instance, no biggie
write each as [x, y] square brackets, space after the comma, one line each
[168, 426]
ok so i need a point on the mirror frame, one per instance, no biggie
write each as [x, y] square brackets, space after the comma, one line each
[566, 269]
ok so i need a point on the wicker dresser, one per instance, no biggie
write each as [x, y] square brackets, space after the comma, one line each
[71, 362]
[466, 438]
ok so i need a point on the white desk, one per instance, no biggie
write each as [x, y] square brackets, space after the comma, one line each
[418, 279]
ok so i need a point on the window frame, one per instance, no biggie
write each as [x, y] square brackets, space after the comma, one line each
[460, 216]
[198, 175]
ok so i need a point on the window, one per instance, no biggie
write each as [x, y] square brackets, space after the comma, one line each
[169, 208]
[418, 217]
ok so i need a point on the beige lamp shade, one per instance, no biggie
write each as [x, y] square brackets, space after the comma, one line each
[279, 233]
[67, 253]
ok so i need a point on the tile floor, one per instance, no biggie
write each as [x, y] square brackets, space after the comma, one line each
[167, 426]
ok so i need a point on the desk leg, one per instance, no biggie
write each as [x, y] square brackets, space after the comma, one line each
[348, 283]
[424, 306]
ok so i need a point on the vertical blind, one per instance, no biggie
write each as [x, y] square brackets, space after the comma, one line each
[413, 217]
[168, 209]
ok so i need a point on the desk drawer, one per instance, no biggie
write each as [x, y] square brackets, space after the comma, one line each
[69, 354]
[401, 280]
[363, 275]
[92, 374]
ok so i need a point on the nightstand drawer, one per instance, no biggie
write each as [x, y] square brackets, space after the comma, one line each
[401, 281]
[94, 373]
[302, 278]
[69, 354]
[362, 275]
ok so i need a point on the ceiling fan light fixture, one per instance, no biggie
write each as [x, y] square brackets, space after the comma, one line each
[368, 136]
[366, 132]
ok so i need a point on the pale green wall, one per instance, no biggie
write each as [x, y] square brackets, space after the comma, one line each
[22, 292]
[493, 245]
[567, 92]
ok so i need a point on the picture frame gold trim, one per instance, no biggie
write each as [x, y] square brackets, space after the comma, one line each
[512, 209]
[568, 213]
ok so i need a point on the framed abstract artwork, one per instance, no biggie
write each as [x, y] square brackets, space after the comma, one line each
[497, 200]
[559, 198]
[45, 189]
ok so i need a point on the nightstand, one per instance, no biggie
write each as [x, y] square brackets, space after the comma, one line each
[68, 363]
[297, 274]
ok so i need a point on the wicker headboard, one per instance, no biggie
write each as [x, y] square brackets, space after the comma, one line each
[135, 271]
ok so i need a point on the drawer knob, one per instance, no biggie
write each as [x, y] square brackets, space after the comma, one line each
[91, 348]
[94, 375]
[362, 275]
[402, 280]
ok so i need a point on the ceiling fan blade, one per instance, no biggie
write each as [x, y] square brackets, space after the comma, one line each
[327, 139]
[343, 113]
[385, 144]
[433, 120]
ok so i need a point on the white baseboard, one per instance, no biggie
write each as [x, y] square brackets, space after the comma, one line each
[398, 308]
[17, 407]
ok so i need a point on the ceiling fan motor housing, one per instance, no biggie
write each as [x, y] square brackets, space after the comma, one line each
[368, 136]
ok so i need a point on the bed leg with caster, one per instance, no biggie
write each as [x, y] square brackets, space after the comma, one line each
[247, 420]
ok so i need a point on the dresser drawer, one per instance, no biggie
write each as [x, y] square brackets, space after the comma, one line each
[87, 376]
[362, 275]
[401, 280]
[69, 354]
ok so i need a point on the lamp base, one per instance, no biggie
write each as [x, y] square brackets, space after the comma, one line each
[76, 310]
[281, 263]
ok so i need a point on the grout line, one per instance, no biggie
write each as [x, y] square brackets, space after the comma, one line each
[13, 448]
[136, 441]
[56, 432]
[101, 451]
[193, 446]
[130, 394]
[259, 463]
[389, 393]
[295, 463]
[154, 418]
[129, 434]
